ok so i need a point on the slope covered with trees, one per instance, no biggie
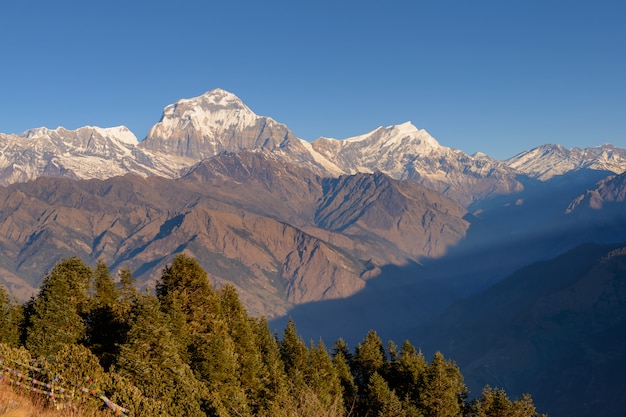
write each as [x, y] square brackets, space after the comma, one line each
[188, 349]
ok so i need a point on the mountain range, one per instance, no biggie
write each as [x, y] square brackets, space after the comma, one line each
[195, 129]
[387, 230]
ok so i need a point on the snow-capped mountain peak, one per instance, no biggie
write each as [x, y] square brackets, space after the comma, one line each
[214, 101]
[37, 132]
[405, 152]
[405, 134]
[120, 133]
[547, 161]
[209, 115]
[215, 122]
[87, 152]
[117, 133]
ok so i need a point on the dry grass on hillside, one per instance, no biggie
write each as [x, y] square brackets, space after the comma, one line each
[19, 403]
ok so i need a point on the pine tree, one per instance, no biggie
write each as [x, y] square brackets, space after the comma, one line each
[494, 402]
[274, 392]
[127, 292]
[294, 355]
[340, 348]
[407, 373]
[322, 377]
[149, 359]
[104, 292]
[57, 313]
[341, 360]
[104, 330]
[11, 317]
[369, 357]
[524, 407]
[240, 329]
[186, 281]
[381, 400]
[442, 391]
[191, 304]
[216, 363]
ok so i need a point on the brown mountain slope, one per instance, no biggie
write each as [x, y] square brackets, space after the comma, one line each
[420, 222]
[281, 234]
[610, 190]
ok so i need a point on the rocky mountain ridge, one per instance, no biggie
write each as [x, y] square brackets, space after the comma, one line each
[85, 153]
[283, 235]
[547, 161]
[216, 122]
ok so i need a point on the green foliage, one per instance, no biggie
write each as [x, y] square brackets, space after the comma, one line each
[323, 378]
[250, 368]
[122, 390]
[11, 317]
[406, 372]
[57, 313]
[273, 394]
[341, 361]
[294, 355]
[77, 365]
[12, 355]
[495, 403]
[127, 292]
[369, 357]
[104, 326]
[186, 282]
[381, 400]
[442, 392]
[189, 350]
[149, 358]
[74, 366]
[105, 294]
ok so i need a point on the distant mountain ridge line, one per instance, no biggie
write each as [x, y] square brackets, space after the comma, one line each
[216, 122]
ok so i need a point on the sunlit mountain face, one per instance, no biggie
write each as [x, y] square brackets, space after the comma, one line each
[515, 267]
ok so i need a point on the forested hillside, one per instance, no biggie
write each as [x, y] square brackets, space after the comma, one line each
[90, 341]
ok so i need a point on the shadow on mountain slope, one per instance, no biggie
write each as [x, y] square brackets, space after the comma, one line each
[555, 329]
[397, 299]
[511, 231]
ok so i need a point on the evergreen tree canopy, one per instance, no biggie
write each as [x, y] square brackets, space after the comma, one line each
[11, 316]
[104, 325]
[442, 391]
[186, 280]
[127, 292]
[57, 312]
[149, 358]
[294, 354]
[369, 357]
[381, 400]
[189, 350]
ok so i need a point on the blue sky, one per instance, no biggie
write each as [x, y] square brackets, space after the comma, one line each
[497, 77]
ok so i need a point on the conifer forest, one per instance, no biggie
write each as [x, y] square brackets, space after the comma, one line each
[184, 348]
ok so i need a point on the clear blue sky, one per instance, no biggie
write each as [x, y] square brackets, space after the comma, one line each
[497, 76]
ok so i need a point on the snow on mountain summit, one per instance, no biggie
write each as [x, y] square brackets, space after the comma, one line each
[387, 149]
[118, 133]
[207, 114]
[547, 161]
[214, 108]
[215, 122]
[87, 152]
[398, 134]
[405, 152]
